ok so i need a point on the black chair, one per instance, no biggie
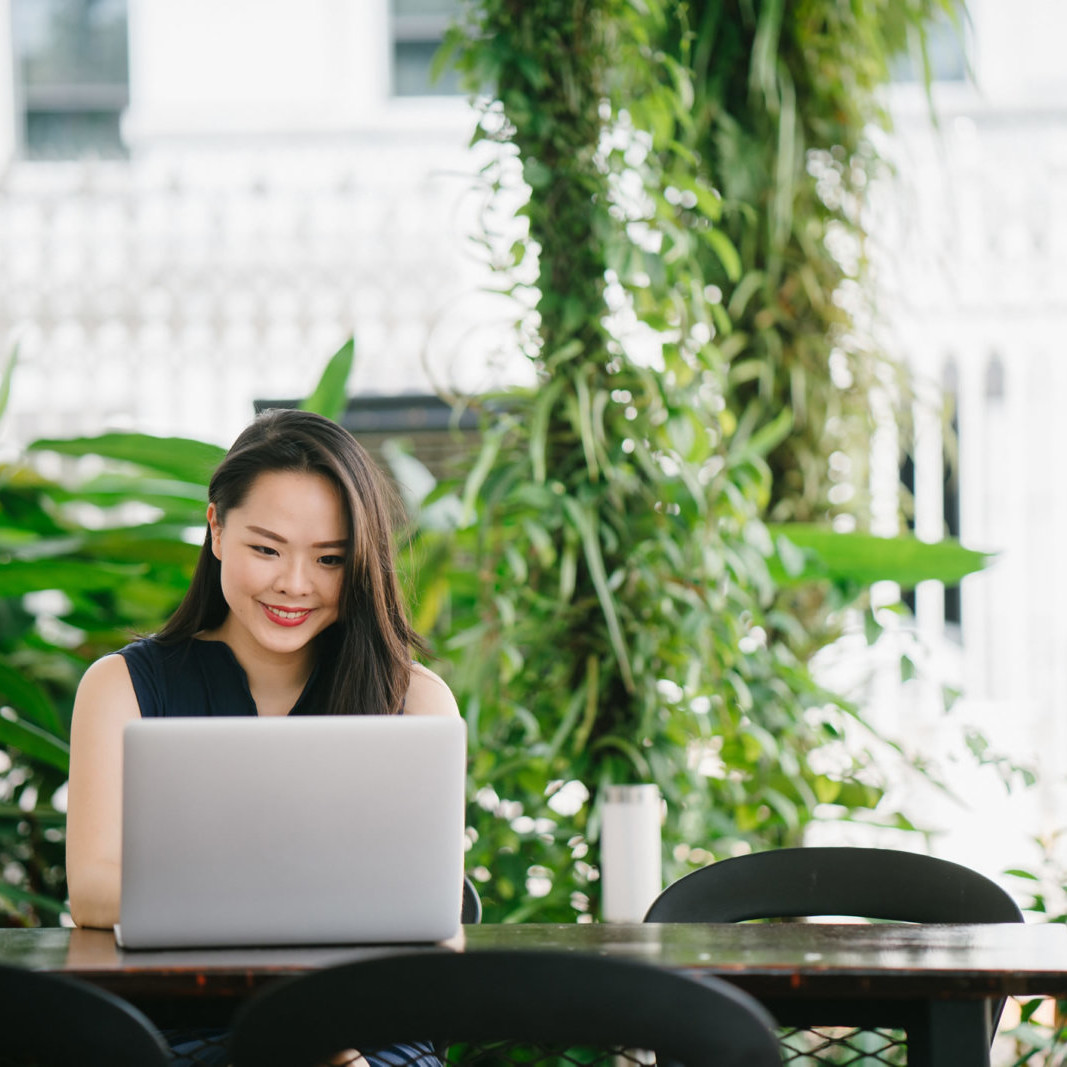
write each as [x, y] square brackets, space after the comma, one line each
[509, 1007]
[867, 883]
[50, 1021]
[471, 911]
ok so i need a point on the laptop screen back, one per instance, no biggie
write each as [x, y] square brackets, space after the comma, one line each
[303, 830]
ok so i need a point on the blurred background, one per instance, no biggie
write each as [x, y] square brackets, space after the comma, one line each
[200, 201]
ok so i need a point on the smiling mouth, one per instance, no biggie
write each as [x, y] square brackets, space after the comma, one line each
[286, 616]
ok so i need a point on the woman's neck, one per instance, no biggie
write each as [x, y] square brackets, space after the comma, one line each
[275, 680]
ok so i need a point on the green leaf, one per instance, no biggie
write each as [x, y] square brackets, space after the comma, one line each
[585, 523]
[542, 412]
[187, 459]
[170, 496]
[724, 248]
[864, 558]
[907, 668]
[791, 557]
[328, 398]
[490, 447]
[872, 628]
[536, 174]
[28, 699]
[5, 379]
[15, 895]
[43, 815]
[709, 202]
[747, 288]
[586, 427]
[35, 743]
[771, 434]
[19, 577]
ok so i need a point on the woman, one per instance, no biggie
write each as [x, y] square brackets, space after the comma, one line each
[294, 608]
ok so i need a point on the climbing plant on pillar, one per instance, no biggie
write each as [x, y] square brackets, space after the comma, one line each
[613, 628]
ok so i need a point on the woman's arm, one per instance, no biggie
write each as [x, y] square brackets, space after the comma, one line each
[105, 702]
[428, 694]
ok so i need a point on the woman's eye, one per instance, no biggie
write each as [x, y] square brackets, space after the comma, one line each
[264, 550]
[332, 561]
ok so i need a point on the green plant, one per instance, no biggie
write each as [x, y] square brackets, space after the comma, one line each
[784, 101]
[628, 615]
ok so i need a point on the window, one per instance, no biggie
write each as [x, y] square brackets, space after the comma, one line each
[72, 77]
[418, 28]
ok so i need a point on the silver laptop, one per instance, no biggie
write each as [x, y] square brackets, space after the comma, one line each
[305, 830]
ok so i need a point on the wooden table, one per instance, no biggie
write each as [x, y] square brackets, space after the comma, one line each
[937, 982]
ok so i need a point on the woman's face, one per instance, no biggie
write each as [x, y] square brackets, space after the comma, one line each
[282, 554]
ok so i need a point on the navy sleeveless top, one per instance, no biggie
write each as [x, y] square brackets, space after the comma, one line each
[195, 678]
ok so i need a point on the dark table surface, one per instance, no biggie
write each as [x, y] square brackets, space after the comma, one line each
[783, 959]
[942, 985]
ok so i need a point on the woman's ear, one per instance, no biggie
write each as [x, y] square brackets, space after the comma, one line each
[216, 531]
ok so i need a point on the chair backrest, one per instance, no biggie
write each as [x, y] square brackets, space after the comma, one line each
[869, 883]
[51, 1021]
[543, 1000]
[471, 911]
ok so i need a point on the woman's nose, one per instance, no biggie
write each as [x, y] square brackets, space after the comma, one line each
[293, 577]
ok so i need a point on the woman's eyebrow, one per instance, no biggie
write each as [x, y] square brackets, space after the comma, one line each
[270, 535]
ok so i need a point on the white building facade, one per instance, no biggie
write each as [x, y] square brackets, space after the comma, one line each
[276, 196]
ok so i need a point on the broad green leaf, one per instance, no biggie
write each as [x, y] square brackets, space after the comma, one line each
[35, 743]
[18, 577]
[43, 815]
[28, 699]
[328, 398]
[152, 543]
[864, 558]
[16, 895]
[190, 460]
[170, 497]
[16, 538]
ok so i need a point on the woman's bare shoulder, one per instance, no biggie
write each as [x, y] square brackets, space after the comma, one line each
[107, 668]
[106, 686]
[428, 694]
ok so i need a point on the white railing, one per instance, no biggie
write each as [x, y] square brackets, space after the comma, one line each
[167, 294]
[971, 252]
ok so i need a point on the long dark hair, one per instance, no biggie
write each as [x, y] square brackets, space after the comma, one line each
[364, 658]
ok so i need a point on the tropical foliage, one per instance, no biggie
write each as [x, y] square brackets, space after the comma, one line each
[694, 175]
